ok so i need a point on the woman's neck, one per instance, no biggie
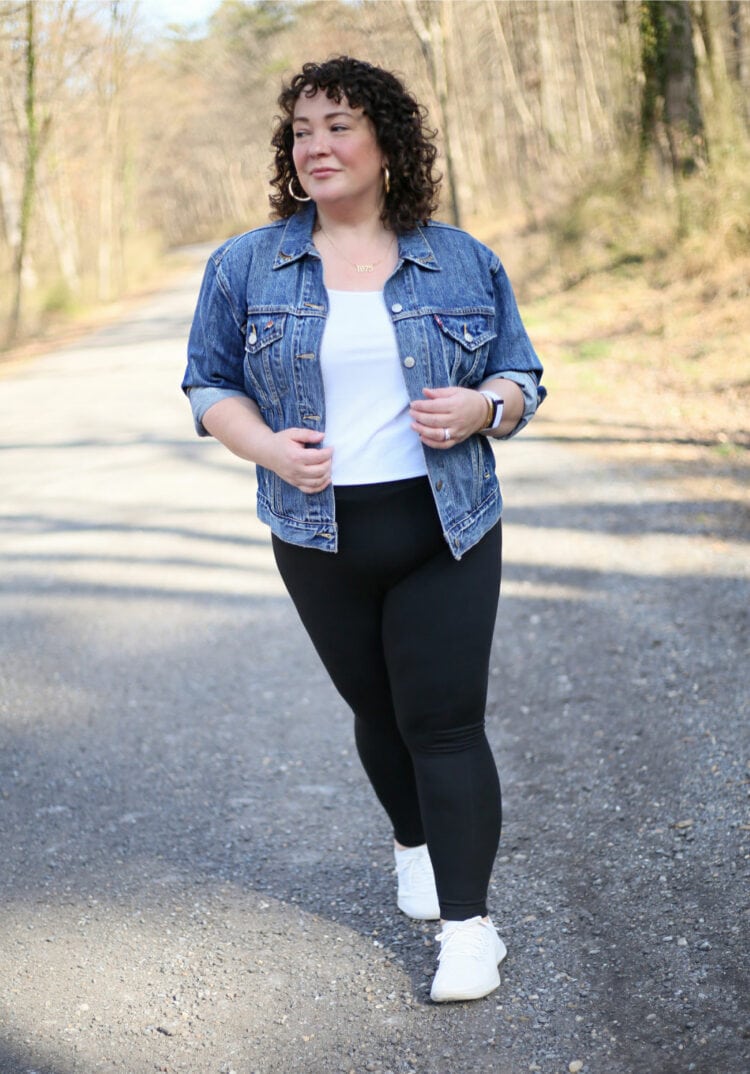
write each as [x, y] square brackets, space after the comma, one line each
[357, 255]
[360, 226]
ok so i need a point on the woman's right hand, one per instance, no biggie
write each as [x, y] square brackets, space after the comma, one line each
[293, 455]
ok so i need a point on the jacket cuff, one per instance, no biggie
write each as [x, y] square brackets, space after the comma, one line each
[203, 398]
[532, 397]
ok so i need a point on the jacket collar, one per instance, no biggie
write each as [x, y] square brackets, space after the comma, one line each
[296, 241]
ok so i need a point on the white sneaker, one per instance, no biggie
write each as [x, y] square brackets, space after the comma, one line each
[417, 894]
[470, 952]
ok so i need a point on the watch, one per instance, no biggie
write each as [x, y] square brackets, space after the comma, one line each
[497, 410]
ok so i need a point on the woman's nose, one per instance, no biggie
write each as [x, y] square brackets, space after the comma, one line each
[319, 143]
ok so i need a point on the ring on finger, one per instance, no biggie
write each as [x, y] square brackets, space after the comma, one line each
[446, 434]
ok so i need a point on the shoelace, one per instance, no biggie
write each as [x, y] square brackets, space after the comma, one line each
[468, 935]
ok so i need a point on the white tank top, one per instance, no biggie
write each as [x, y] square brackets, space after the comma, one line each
[367, 405]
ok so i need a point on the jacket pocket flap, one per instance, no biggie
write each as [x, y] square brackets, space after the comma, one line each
[470, 330]
[262, 331]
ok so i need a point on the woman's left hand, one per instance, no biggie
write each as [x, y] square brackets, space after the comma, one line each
[448, 415]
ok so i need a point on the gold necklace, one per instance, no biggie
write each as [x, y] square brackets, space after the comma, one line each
[367, 266]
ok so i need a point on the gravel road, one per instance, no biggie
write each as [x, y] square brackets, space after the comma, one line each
[194, 876]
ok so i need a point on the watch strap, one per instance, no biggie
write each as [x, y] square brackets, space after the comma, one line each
[497, 410]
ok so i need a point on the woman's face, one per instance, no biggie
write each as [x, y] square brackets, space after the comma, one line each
[336, 153]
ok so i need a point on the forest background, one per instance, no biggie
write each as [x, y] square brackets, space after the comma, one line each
[600, 146]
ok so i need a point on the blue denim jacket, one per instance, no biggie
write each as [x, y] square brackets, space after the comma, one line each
[257, 331]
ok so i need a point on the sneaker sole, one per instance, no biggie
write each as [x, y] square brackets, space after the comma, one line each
[456, 997]
[431, 916]
[477, 993]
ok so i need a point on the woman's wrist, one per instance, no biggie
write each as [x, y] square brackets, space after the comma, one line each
[495, 404]
[484, 409]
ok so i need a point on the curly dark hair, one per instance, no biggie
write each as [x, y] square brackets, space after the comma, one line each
[400, 129]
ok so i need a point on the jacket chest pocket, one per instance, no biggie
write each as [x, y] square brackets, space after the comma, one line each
[465, 339]
[265, 368]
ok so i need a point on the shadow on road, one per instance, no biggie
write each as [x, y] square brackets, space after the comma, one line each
[172, 748]
[193, 759]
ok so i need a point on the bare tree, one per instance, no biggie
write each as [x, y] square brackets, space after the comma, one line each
[112, 215]
[431, 25]
[29, 172]
[671, 96]
[739, 19]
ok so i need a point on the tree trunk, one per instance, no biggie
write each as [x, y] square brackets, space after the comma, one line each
[671, 96]
[29, 176]
[61, 233]
[510, 80]
[739, 21]
[469, 122]
[10, 205]
[432, 41]
[717, 87]
[111, 199]
[551, 95]
[593, 121]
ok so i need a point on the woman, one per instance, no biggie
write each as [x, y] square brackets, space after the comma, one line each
[362, 355]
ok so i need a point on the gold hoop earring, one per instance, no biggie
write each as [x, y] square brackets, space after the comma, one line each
[295, 196]
[386, 180]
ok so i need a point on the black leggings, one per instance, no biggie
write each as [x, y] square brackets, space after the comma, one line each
[405, 632]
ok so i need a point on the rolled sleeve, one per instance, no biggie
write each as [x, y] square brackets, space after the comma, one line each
[532, 397]
[216, 347]
[512, 355]
[203, 398]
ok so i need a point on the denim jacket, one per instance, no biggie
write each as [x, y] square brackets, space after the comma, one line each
[257, 332]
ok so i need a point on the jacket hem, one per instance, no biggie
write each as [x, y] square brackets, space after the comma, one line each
[319, 535]
[469, 530]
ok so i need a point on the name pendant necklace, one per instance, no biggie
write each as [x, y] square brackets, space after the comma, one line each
[367, 266]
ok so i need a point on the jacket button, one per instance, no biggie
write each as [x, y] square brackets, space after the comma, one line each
[439, 485]
[409, 362]
[396, 307]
